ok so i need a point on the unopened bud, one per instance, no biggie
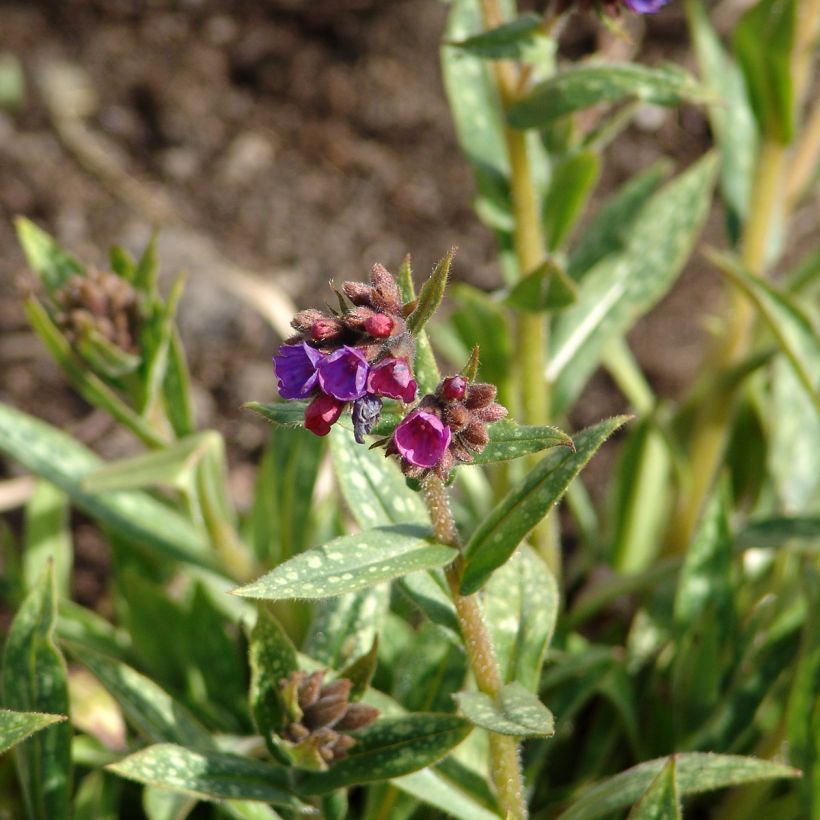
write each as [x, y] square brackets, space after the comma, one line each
[310, 689]
[454, 388]
[480, 395]
[357, 292]
[456, 417]
[379, 325]
[358, 716]
[476, 435]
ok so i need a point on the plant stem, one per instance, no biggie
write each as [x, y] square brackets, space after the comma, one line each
[531, 329]
[505, 764]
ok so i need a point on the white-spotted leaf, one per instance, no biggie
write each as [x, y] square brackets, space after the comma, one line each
[514, 711]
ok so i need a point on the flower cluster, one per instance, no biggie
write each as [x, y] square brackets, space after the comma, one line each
[317, 714]
[448, 426]
[613, 7]
[360, 354]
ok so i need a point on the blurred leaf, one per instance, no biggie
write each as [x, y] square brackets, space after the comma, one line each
[58, 458]
[611, 227]
[435, 789]
[641, 503]
[272, 657]
[104, 357]
[34, 680]
[622, 287]
[547, 288]
[431, 294]
[176, 389]
[149, 709]
[732, 119]
[346, 626]
[391, 747]
[588, 85]
[791, 327]
[515, 711]
[509, 441]
[521, 39]
[777, 530]
[573, 180]
[17, 726]
[351, 562]
[763, 40]
[12, 83]
[372, 485]
[505, 526]
[85, 627]
[208, 775]
[47, 537]
[121, 263]
[661, 800]
[696, 773]
[521, 607]
[427, 591]
[360, 671]
[53, 266]
[97, 798]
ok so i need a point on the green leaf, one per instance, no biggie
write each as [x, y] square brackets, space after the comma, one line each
[47, 537]
[17, 726]
[98, 798]
[427, 591]
[431, 294]
[521, 39]
[547, 288]
[208, 775]
[791, 327]
[146, 706]
[509, 441]
[372, 485]
[515, 711]
[425, 367]
[624, 286]
[661, 800]
[53, 266]
[696, 772]
[58, 458]
[351, 562]
[521, 607]
[732, 120]
[611, 227]
[176, 389]
[571, 183]
[360, 671]
[434, 788]
[777, 530]
[103, 356]
[391, 747]
[506, 525]
[585, 86]
[34, 680]
[272, 657]
[763, 40]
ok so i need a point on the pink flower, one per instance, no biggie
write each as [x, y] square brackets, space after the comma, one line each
[392, 378]
[422, 439]
[322, 413]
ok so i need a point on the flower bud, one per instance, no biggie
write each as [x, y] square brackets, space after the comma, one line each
[480, 395]
[476, 435]
[310, 688]
[357, 292]
[322, 413]
[456, 417]
[454, 388]
[357, 716]
[379, 325]
[385, 294]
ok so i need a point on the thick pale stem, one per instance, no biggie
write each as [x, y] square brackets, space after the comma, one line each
[506, 767]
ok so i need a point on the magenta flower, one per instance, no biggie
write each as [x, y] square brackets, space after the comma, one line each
[422, 439]
[296, 370]
[343, 374]
[322, 413]
[392, 378]
[645, 6]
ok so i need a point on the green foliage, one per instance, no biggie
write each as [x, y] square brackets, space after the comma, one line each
[514, 711]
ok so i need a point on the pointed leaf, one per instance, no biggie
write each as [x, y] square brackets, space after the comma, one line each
[48, 537]
[390, 747]
[210, 776]
[34, 680]
[521, 607]
[431, 294]
[515, 711]
[17, 726]
[505, 526]
[661, 800]
[432, 787]
[571, 183]
[697, 772]
[509, 441]
[360, 671]
[777, 530]
[521, 39]
[53, 266]
[585, 86]
[351, 562]
[547, 288]
[427, 591]
[104, 357]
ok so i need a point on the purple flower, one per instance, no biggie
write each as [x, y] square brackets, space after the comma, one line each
[296, 370]
[645, 6]
[392, 378]
[422, 438]
[343, 374]
[366, 413]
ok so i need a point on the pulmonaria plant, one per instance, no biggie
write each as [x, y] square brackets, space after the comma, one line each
[358, 355]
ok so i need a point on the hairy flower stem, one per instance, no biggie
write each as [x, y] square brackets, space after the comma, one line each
[505, 764]
[531, 329]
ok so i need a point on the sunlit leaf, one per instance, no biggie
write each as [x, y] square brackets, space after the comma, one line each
[514, 711]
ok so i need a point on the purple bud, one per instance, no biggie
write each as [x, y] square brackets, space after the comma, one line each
[422, 438]
[343, 374]
[645, 6]
[366, 412]
[392, 378]
[296, 370]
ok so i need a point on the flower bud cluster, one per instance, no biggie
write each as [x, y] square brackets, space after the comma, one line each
[360, 355]
[100, 301]
[613, 7]
[447, 427]
[319, 713]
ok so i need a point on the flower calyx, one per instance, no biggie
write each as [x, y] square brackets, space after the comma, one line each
[318, 716]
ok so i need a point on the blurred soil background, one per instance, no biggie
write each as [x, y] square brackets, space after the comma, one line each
[283, 141]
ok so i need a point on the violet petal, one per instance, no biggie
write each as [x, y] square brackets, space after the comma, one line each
[343, 374]
[422, 438]
[295, 367]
